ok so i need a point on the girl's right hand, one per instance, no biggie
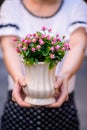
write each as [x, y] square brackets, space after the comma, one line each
[17, 94]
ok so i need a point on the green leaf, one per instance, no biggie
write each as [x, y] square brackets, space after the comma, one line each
[51, 65]
[48, 49]
[60, 43]
[31, 61]
[27, 53]
[44, 53]
[47, 60]
[39, 33]
[36, 60]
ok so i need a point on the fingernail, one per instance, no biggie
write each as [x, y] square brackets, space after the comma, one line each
[24, 84]
[55, 86]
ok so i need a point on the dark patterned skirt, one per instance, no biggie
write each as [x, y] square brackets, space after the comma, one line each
[18, 118]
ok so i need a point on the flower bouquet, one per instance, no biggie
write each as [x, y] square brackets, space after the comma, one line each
[40, 53]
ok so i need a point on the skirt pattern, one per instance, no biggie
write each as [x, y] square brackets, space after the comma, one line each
[40, 118]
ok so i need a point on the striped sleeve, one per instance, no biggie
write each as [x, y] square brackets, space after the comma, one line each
[78, 16]
[8, 20]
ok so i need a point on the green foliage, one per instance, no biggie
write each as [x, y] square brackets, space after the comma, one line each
[41, 47]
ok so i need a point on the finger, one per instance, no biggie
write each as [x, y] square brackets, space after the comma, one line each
[13, 99]
[18, 97]
[20, 101]
[67, 98]
[58, 83]
[55, 78]
[60, 101]
[21, 81]
[57, 92]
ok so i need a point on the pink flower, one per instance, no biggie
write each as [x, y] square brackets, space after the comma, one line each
[43, 28]
[33, 34]
[26, 41]
[48, 37]
[23, 40]
[33, 49]
[38, 46]
[41, 42]
[28, 35]
[17, 49]
[54, 39]
[34, 40]
[57, 35]
[36, 36]
[20, 45]
[14, 39]
[58, 39]
[57, 47]
[67, 46]
[52, 48]
[42, 36]
[52, 56]
[24, 48]
[50, 30]
[29, 41]
[52, 42]
[63, 49]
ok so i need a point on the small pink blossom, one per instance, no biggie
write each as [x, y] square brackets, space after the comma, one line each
[42, 36]
[52, 56]
[43, 28]
[38, 46]
[26, 41]
[14, 39]
[28, 35]
[33, 34]
[34, 40]
[52, 48]
[57, 35]
[54, 39]
[36, 36]
[18, 50]
[67, 46]
[23, 40]
[29, 41]
[48, 37]
[52, 42]
[33, 49]
[20, 45]
[41, 42]
[58, 39]
[63, 49]
[24, 48]
[57, 47]
[50, 30]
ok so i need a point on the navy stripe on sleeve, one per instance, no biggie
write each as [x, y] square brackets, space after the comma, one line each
[9, 25]
[76, 22]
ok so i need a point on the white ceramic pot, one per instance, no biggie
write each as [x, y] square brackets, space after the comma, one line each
[39, 89]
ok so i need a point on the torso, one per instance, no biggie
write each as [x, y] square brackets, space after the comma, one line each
[30, 21]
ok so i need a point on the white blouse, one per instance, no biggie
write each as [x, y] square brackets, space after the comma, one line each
[16, 20]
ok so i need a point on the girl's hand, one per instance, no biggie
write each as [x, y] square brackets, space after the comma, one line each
[61, 87]
[18, 95]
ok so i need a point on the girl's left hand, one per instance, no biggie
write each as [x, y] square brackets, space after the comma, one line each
[61, 85]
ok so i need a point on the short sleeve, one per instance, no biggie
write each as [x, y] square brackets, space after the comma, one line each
[78, 16]
[8, 19]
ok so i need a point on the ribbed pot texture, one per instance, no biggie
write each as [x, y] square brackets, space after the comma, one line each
[39, 89]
